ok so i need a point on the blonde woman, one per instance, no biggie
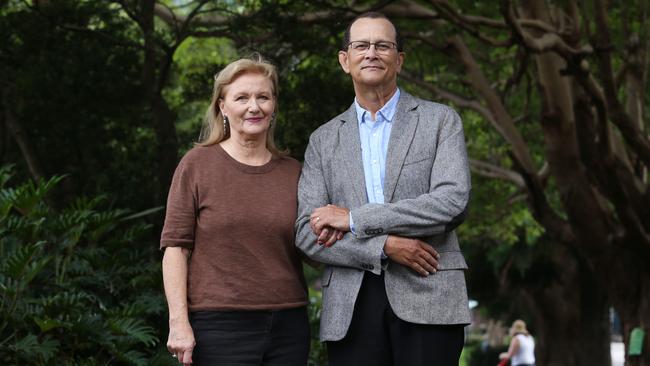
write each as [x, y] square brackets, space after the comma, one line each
[522, 346]
[233, 278]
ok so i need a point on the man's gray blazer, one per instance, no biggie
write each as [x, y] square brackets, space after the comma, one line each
[426, 190]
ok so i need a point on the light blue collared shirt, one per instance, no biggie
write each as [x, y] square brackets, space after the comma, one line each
[374, 146]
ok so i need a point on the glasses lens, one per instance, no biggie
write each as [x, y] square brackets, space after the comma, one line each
[383, 46]
[360, 45]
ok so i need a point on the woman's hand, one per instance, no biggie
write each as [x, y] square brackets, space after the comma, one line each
[330, 223]
[181, 337]
[181, 341]
[332, 216]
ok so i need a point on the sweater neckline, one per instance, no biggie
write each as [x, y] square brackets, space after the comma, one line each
[250, 169]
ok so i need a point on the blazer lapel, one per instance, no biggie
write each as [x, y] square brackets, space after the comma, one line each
[404, 123]
[350, 154]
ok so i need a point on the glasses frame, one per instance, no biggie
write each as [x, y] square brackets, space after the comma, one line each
[392, 44]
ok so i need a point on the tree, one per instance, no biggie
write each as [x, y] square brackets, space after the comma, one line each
[588, 120]
[71, 99]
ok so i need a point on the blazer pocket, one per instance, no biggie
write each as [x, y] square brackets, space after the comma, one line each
[419, 158]
[326, 276]
[451, 260]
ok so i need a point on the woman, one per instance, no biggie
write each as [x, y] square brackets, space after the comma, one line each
[233, 278]
[522, 346]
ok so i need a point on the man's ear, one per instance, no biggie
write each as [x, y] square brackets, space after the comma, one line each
[343, 61]
[400, 61]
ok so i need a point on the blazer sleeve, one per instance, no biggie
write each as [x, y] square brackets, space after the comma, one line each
[441, 209]
[351, 251]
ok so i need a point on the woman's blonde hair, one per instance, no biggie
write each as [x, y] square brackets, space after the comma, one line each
[213, 131]
[518, 326]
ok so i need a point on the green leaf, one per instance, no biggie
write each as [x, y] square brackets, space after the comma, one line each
[135, 328]
[26, 344]
[49, 324]
[134, 357]
[48, 348]
[18, 261]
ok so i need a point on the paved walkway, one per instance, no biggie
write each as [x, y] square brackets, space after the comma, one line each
[618, 353]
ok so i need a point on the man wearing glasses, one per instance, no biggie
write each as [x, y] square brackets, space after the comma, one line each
[382, 189]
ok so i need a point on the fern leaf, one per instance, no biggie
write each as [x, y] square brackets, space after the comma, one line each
[135, 328]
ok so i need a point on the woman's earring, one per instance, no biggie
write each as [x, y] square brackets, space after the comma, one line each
[225, 124]
[272, 119]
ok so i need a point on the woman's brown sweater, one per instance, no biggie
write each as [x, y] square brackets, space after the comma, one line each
[238, 220]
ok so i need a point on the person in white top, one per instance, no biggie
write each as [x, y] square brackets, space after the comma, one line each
[522, 346]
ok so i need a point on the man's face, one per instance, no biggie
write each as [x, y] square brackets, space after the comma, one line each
[371, 67]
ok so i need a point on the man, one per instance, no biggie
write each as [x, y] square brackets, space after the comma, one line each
[383, 186]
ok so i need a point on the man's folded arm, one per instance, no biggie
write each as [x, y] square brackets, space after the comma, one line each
[351, 251]
[440, 210]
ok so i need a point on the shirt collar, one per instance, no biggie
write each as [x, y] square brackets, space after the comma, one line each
[387, 111]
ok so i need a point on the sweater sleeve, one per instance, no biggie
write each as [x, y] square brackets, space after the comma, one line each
[181, 215]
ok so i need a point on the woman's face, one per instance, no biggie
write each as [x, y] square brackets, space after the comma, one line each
[248, 102]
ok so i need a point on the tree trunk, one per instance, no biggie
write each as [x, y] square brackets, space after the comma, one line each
[20, 136]
[154, 76]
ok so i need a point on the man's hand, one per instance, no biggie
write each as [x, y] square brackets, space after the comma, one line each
[330, 216]
[413, 253]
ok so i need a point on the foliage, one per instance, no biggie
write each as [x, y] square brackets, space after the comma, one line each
[78, 286]
[197, 61]
[71, 76]
[317, 351]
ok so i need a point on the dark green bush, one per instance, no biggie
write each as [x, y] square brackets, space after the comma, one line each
[78, 286]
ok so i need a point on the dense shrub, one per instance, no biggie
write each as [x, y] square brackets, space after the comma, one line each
[78, 286]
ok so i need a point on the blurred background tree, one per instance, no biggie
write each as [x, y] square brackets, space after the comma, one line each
[553, 94]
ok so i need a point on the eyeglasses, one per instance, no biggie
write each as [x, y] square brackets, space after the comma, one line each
[364, 46]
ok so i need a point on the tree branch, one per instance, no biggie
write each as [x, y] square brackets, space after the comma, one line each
[467, 23]
[548, 41]
[502, 120]
[614, 180]
[494, 171]
[631, 131]
[450, 96]
[168, 16]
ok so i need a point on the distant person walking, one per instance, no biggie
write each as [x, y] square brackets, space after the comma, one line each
[522, 346]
